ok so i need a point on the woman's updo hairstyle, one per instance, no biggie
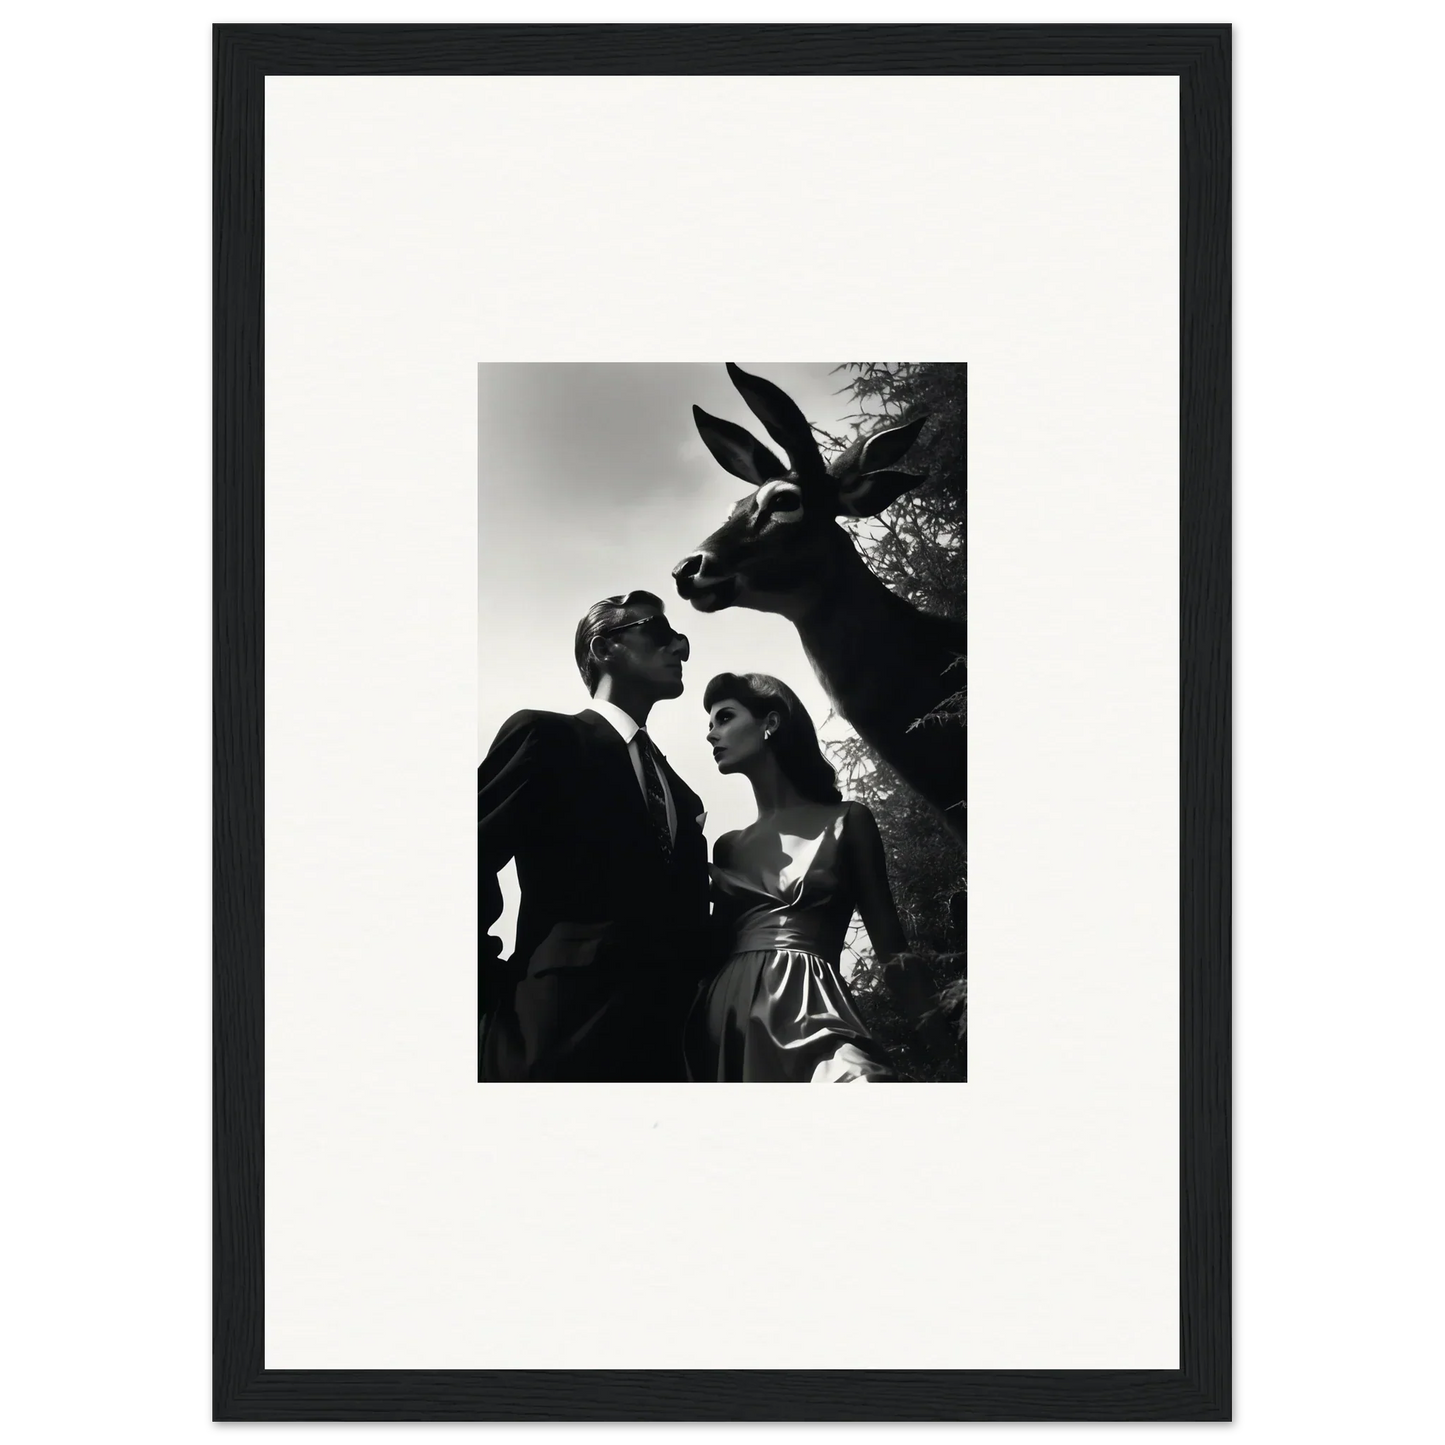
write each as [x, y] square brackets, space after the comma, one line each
[794, 743]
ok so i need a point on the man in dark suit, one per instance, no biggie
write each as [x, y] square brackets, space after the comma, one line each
[612, 930]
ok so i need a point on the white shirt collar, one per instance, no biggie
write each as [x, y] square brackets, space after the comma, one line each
[625, 723]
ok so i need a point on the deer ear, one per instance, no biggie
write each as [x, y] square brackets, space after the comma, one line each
[779, 413]
[738, 450]
[884, 448]
[873, 491]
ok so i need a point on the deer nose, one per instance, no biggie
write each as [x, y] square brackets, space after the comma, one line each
[685, 573]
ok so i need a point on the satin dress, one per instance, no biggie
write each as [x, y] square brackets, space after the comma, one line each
[779, 1010]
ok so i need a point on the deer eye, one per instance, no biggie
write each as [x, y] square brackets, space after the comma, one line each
[780, 501]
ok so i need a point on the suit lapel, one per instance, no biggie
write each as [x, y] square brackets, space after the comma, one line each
[685, 802]
[616, 782]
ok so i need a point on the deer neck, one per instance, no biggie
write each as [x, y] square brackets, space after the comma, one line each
[870, 648]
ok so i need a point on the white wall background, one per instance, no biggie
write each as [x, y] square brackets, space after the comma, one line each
[1049, 260]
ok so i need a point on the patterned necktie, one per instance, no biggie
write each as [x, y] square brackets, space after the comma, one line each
[652, 785]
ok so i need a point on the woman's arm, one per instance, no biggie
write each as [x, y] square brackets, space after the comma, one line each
[905, 974]
[720, 920]
[868, 866]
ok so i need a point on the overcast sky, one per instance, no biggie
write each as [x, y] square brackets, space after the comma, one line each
[593, 480]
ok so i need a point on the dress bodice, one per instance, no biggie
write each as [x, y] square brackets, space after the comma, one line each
[785, 884]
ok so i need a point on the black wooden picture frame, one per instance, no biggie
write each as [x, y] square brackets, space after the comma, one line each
[1200, 1389]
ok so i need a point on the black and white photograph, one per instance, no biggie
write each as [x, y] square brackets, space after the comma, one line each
[825, 713]
[722, 649]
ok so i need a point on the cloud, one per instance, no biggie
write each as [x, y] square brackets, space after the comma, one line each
[599, 438]
[592, 439]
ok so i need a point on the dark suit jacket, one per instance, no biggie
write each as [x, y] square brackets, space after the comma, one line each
[612, 934]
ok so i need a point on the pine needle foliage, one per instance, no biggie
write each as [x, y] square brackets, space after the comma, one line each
[919, 549]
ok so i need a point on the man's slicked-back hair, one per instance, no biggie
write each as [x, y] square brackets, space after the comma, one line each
[600, 617]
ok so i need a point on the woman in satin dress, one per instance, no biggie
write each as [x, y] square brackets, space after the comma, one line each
[786, 888]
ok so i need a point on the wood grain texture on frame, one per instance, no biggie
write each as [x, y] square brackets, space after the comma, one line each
[242, 1388]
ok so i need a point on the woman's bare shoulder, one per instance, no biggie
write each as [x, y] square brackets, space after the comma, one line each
[858, 817]
[860, 839]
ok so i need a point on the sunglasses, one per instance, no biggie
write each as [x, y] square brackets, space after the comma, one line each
[657, 630]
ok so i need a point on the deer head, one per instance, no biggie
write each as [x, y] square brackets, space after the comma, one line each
[782, 543]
